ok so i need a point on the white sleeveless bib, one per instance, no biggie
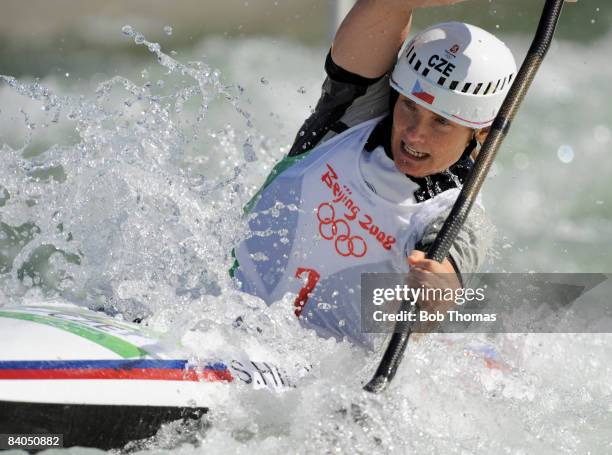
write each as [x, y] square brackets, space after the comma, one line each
[318, 226]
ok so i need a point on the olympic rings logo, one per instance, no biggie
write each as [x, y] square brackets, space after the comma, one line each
[331, 228]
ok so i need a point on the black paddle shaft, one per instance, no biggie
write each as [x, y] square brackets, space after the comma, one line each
[441, 246]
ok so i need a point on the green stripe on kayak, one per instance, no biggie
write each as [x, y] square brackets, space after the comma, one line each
[110, 342]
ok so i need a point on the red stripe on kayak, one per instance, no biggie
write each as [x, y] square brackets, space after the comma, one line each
[143, 374]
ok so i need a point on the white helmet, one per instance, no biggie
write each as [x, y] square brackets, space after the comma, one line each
[458, 71]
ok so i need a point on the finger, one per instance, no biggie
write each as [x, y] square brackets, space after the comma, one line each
[419, 278]
[415, 256]
[428, 265]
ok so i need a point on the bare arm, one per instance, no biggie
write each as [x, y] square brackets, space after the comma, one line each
[369, 38]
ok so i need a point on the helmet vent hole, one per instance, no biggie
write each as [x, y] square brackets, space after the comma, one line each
[497, 85]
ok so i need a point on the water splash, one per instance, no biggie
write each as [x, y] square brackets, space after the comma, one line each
[138, 198]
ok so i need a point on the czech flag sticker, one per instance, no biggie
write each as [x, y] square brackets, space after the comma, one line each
[421, 94]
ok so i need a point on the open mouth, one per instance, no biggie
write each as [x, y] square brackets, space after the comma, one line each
[412, 153]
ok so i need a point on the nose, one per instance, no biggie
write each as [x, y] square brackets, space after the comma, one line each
[415, 131]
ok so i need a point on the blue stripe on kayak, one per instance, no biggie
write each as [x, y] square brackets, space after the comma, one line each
[126, 364]
[219, 366]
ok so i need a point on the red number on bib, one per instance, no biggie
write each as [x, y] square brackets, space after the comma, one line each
[311, 282]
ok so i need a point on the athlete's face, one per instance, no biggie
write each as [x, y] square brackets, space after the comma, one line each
[422, 142]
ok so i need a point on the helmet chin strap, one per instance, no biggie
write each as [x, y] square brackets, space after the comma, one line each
[472, 145]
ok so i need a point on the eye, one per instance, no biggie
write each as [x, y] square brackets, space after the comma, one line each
[409, 105]
[442, 121]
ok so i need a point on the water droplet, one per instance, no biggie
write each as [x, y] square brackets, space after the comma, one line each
[249, 152]
[592, 21]
[168, 30]
[127, 30]
[565, 153]
[154, 47]
[264, 81]
[139, 38]
[301, 90]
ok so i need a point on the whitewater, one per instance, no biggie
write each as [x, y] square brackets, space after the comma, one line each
[124, 194]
